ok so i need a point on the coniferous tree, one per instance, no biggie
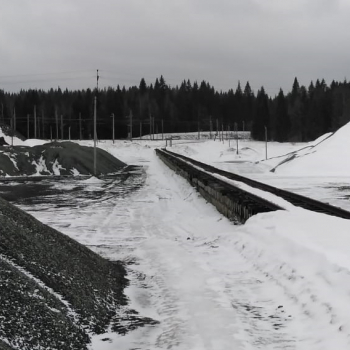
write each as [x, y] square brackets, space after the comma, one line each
[297, 103]
[239, 109]
[248, 106]
[143, 101]
[312, 111]
[261, 116]
[282, 119]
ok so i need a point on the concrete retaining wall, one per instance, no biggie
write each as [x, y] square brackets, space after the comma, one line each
[229, 200]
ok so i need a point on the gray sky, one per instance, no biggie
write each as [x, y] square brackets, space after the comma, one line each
[50, 43]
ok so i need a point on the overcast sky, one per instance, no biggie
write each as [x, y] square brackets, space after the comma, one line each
[50, 43]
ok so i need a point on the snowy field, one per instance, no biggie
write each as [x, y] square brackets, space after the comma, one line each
[281, 281]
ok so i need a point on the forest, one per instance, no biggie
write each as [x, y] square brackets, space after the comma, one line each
[302, 114]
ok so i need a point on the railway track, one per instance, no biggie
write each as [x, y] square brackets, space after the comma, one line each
[295, 199]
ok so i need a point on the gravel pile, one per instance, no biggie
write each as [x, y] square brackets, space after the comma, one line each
[53, 290]
[56, 158]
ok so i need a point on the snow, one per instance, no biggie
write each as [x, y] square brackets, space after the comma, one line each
[329, 157]
[56, 167]
[75, 172]
[93, 180]
[19, 142]
[281, 281]
[40, 166]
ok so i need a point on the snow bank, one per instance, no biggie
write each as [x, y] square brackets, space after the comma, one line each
[18, 142]
[327, 156]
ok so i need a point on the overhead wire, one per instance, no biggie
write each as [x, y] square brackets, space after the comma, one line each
[46, 73]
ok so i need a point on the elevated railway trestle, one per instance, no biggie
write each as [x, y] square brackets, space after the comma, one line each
[235, 203]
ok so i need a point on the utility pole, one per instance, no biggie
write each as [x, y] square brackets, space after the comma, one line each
[27, 126]
[198, 125]
[229, 136]
[39, 134]
[265, 142]
[217, 128]
[95, 136]
[112, 126]
[236, 129]
[56, 119]
[95, 131]
[130, 121]
[42, 124]
[153, 127]
[51, 132]
[210, 127]
[150, 126]
[14, 119]
[140, 129]
[69, 133]
[12, 122]
[222, 132]
[80, 134]
[162, 129]
[62, 127]
[34, 121]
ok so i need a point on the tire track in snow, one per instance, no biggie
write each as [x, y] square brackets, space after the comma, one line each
[308, 296]
[215, 316]
[263, 321]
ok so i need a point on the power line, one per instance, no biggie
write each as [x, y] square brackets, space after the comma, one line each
[42, 80]
[46, 73]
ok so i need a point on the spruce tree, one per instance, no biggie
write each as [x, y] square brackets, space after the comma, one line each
[248, 106]
[261, 118]
[282, 118]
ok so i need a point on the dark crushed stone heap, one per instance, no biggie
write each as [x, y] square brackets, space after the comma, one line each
[68, 155]
[4, 346]
[21, 300]
[31, 314]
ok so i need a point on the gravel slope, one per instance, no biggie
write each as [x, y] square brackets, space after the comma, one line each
[53, 290]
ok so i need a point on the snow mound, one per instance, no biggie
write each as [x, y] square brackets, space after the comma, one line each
[243, 154]
[93, 180]
[329, 155]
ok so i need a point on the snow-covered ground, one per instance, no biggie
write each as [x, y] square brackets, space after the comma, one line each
[281, 281]
[17, 142]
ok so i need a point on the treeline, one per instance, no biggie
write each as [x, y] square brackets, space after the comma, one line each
[303, 114]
